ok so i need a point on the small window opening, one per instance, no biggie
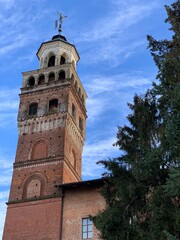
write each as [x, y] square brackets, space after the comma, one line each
[63, 60]
[33, 109]
[79, 92]
[31, 81]
[51, 77]
[75, 86]
[73, 111]
[72, 78]
[51, 61]
[80, 123]
[87, 228]
[62, 75]
[53, 105]
[41, 79]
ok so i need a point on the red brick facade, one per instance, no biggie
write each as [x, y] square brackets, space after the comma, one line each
[51, 125]
[35, 220]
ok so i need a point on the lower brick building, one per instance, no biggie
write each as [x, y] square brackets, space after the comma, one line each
[48, 199]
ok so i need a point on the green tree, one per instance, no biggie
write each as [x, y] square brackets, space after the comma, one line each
[143, 191]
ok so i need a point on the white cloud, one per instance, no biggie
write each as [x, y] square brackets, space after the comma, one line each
[103, 84]
[96, 151]
[18, 29]
[115, 36]
[4, 194]
[8, 106]
[112, 92]
[5, 180]
[121, 18]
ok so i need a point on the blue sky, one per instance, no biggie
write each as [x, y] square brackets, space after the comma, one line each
[110, 36]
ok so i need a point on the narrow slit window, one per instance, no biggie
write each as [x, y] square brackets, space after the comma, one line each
[80, 123]
[73, 111]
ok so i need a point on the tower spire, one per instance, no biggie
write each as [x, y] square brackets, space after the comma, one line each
[60, 20]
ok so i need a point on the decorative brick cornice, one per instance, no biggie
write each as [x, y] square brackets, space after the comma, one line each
[42, 123]
[21, 201]
[38, 162]
[74, 132]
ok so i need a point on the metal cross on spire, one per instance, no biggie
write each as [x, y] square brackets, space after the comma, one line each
[61, 18]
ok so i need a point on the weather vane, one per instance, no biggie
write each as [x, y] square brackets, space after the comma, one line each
[60, 20]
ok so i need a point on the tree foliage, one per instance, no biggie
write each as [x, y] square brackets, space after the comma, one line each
[143, 191]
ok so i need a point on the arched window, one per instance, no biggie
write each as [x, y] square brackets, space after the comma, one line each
[41, 79]
[73, 111]
[34, 189]
[51, 61]
[31, 81]
[33, 186]
[62, 60]
[33, 109]
[51, 77]
[62, 75]
[39, 150]
[53, 105]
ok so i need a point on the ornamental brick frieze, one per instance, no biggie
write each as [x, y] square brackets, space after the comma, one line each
[38, 162]
[74, 132]
[46, 90]
[40, 124]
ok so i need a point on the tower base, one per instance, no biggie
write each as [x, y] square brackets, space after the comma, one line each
[33, 220]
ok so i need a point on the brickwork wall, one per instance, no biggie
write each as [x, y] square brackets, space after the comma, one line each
[80, 110]
[54, 140]
[49, 174]
[36, 220]
[49, 147]
[69, 174]
[42, 98]
[80, 203]
[73, 152]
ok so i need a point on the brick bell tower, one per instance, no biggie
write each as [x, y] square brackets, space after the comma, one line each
[51, 126]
